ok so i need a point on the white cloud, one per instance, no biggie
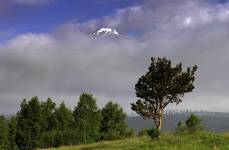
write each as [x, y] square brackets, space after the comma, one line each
[166, 14]
[187, 21]
[29, 40]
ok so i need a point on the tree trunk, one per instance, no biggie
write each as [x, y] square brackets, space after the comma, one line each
[84, 135]
[158, 122]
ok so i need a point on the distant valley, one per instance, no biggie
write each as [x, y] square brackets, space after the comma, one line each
[216, 122]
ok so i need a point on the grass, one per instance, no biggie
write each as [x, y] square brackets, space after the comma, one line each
[200, 141]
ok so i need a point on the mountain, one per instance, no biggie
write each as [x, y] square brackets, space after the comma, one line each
[105, 31]
[216, 122]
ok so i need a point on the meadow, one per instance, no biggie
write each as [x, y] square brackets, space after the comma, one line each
[168, 141]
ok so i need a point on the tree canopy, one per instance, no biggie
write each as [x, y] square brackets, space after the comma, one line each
[161, 85]
[113, 125]
[87, 117]
[43, 124]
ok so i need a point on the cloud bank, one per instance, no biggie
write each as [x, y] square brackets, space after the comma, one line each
[68, 61]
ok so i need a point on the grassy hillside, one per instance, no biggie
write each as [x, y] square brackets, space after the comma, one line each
[201, 141]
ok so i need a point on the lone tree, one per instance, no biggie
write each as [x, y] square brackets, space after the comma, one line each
[161, 85]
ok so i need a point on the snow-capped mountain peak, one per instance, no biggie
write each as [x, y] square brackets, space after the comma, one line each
[105, 31]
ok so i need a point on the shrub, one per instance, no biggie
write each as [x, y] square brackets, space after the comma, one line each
[143, 132]
[154, 133]
[130, 133]
[181, 127]
[113, 124]
[192, 124]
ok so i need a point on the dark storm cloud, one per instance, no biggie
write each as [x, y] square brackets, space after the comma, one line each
[68, 61]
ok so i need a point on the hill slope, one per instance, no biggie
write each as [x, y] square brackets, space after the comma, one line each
[201, 141]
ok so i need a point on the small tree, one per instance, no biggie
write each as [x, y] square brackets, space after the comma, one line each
[113, 124]
[193, 123]
[87, 118]
[161, 85]
[181, 127]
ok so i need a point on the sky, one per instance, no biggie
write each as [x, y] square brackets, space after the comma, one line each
[46, 49]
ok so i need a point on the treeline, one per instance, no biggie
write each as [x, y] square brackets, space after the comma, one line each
[41, 124]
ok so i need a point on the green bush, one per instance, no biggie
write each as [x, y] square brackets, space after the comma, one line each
[113, 124]
[181, 128]
[154, 133]
[192, 124]
[131, 133]
[143, 132]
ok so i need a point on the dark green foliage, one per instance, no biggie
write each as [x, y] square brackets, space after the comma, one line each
[59, 129]
[153, 133]
[49, 120]
[87, 118]
[63, 117]
[42, 125]
[143, 132]
[191, 125]
[49, 139]
[4, 143]
[12, 123]
[181, 127]
[131, 133]
[57, 125]
[113, 124]
[29, 124]
[56, 138]
[161, 85]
